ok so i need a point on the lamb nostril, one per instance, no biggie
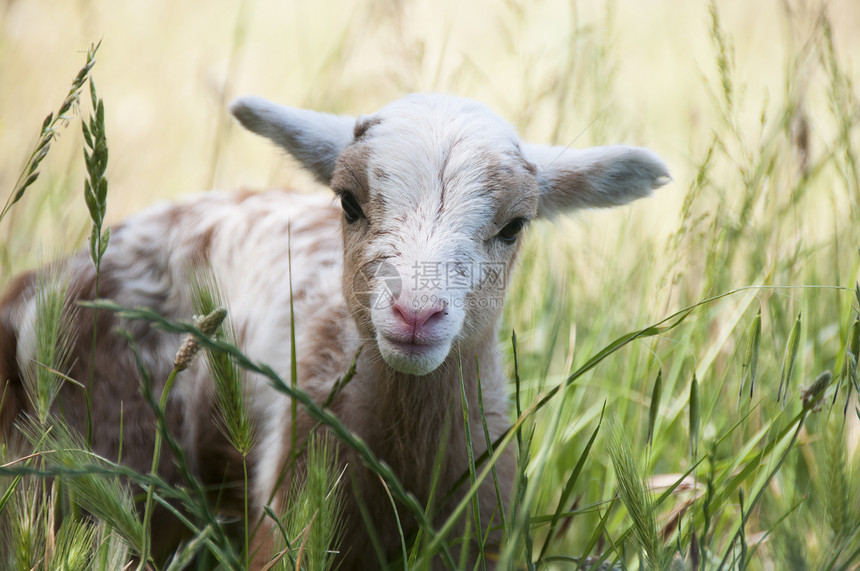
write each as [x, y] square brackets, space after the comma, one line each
[420, 317]
[403, 314]
[430, 316]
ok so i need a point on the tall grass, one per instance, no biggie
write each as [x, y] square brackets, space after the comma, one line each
[673, 406]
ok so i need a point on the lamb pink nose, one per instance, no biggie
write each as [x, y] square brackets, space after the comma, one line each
[418, 318]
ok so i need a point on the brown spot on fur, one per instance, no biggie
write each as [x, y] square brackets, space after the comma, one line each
[244, 194]
[204, 245]
[12, 392]
[362, 126]
[350, 173]
[175, 215]
[380, 173]
[513, 186]
[575, 189]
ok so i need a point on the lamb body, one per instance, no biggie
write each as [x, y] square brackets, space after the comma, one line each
[411, 267]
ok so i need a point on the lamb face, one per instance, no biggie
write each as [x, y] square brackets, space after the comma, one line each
[434, 191]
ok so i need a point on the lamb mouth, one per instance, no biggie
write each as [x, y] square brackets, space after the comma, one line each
[413, 357]
[417, 346]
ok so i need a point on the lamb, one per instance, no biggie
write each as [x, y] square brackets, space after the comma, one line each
[411, 265]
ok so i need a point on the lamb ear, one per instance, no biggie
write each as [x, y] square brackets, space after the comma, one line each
[314, 139]
[598, 177]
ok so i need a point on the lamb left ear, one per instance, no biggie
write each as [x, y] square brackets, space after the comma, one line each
[314, 139]
[598, 177]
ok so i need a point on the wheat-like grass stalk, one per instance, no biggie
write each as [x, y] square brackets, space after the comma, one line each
[54, 337]
[59, 447]
[50, 130]
[837, 485]
[95, 196]
[26, 543]
[312, 521]
[634, 493]
[229, 381]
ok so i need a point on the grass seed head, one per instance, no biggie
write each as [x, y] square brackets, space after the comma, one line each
[208, 325]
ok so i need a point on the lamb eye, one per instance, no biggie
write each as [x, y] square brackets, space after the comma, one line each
[509, 233]
[351, 210]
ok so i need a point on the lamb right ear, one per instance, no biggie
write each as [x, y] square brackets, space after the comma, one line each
[314, 139]
[598, 177]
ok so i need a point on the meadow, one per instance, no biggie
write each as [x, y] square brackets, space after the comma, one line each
[684, 370]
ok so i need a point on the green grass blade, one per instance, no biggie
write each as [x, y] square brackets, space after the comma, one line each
[750, 363]
[470, 458]
[788, 361]
[694, 417]
[654, 409]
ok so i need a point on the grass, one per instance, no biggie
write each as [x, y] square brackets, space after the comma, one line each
[671, 404]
